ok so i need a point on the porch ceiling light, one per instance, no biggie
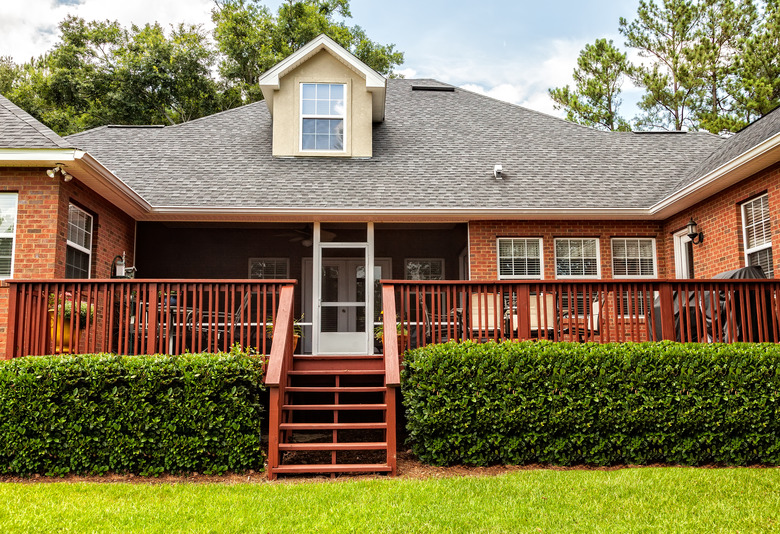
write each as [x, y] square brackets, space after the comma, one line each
[694, 234]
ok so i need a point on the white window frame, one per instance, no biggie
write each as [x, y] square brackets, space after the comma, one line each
[12, 235]
[303, 116]
[655, 257]
[540, 276]
[265, 259]
[763, 246]
[76, 246]
[578, 276]
[440, 260]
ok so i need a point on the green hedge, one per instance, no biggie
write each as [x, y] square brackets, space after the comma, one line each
[131, 414]
[569, 404]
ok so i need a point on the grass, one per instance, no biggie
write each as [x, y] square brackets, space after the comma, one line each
[627, 500]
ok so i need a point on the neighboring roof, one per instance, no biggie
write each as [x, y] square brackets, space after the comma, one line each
[752, 135]
[375, 82]
[22, 130]
[435, 150]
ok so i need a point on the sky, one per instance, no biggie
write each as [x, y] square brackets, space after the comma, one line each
[510, 50]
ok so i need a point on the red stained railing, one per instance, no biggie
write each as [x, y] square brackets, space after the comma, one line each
[140, 316]
[280, 362]
[600, 311]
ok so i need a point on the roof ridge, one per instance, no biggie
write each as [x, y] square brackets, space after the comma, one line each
[33, 123]
[218, 113]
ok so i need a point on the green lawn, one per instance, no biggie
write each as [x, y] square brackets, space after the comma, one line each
[628, 500]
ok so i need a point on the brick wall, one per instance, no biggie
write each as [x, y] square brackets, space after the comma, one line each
[720, 219]
[41, 230]
[483, 246]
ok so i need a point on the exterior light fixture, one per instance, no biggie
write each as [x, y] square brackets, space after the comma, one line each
[694, 234]
[59, 169]
[497, 172]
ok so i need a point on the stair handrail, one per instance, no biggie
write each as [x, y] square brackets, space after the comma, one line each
[390, 337]
[279, 363]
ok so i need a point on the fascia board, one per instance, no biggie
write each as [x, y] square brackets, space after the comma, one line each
[746, 164]
[391, 214]
[31, 157]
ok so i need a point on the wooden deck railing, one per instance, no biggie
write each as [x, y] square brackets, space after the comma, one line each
[140, 316]
[280, 362]
[601, 311]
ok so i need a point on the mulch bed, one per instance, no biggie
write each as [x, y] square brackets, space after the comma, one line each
[408, 468]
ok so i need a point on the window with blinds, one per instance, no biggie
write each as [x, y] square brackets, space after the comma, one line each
[758, 234]
[633, 258]
[577, 258]
[424, 269]
[519, 258]
[8, 203]
[78, 256]
[269, 268]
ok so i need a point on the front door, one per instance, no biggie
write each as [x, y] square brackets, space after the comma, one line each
[342, 307]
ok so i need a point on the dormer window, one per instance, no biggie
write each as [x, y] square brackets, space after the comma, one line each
[323, 114]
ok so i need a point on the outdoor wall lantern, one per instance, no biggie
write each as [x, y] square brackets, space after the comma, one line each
[693, 232]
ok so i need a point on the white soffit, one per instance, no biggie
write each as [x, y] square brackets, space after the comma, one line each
[375, 82]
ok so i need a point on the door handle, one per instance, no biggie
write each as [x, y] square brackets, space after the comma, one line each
[343, 310]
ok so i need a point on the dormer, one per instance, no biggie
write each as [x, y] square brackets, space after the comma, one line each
[323, 102]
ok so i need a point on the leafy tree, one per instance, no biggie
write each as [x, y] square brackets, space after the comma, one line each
[601, 70]
[252, 40]
[664, 35]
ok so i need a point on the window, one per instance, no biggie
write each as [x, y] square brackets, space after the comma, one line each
[633, 258]
[577, 258]
[424, 269]
[78, 256]
[8, 203]
[758, 234]
[323, 111]
[269, 268]
[519, 258]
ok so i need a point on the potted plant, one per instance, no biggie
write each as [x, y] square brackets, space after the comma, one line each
[403, 334]
[297, 330]
[60, 319]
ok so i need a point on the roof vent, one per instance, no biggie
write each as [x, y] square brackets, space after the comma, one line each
[436, 88]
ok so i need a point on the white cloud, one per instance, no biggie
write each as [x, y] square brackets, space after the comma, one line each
[28, 28]
[407, 73]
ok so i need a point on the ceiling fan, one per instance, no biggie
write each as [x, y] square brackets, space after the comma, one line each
[306, 236]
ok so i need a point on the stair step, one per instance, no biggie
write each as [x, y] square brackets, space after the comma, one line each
[331, 426]
[309, 357]
[333, 389]
[331, 407]
[326, 372]
[356, 446]
[332, 468]
[338, 362]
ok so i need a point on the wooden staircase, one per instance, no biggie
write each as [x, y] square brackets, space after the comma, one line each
[334, 417]
[330, 414]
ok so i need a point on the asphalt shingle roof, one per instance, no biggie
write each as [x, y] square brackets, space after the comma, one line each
[434, 150]
[20, 130]
[750, 136]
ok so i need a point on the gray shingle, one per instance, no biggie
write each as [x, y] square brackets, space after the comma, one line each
[742, 141]
[20, 130]
[434, 150]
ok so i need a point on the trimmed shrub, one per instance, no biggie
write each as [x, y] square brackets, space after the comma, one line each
[131, 414]
[570, 403]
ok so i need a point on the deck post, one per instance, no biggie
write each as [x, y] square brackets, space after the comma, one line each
[10, 338]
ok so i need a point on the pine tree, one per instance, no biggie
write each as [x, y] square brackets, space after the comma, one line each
[601, 70]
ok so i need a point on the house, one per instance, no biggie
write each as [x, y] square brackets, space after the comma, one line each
[340, 169]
